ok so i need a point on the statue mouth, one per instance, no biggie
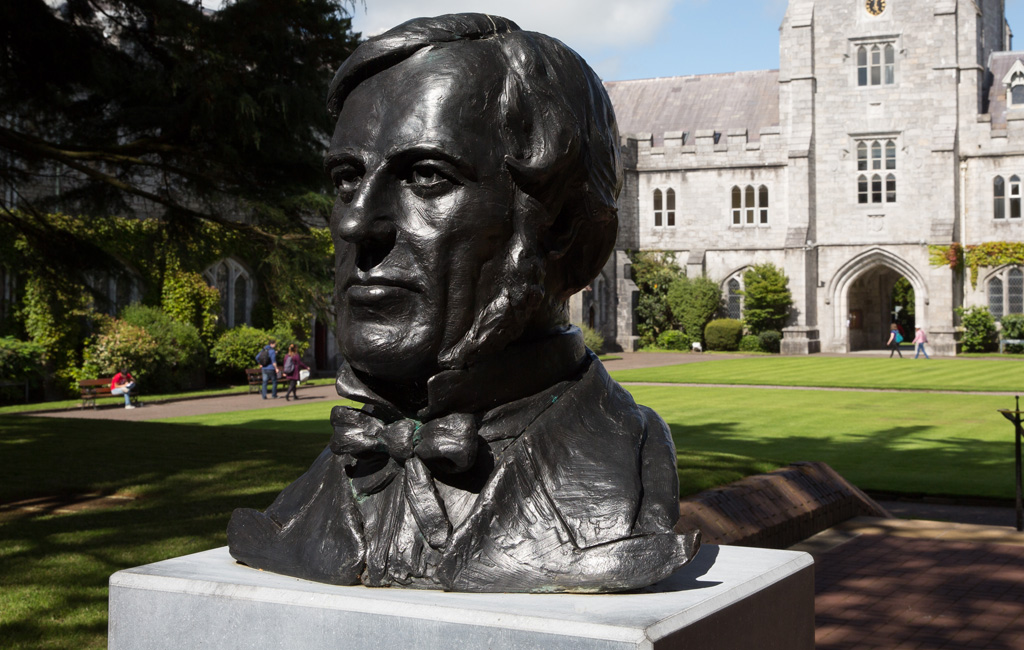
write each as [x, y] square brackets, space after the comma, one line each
[376, 289]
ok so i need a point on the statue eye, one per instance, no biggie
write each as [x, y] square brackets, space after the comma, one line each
[346, 180]
[429, 178]
[426, 176]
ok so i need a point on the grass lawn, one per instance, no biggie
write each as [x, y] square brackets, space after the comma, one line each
[914, 443]
[845, 372]
[188, 479]
[188, 474]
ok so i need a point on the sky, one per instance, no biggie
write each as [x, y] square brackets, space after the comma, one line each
[637, 39]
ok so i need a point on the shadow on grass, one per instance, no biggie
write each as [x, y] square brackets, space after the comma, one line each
[54, 568]
[889, 460]
[700, 469]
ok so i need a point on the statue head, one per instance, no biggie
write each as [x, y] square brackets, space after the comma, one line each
[477, 168]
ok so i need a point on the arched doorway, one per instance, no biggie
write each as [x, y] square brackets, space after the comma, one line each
[871, 305]
[870, 292]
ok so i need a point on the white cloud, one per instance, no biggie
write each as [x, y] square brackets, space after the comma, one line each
[581, 24]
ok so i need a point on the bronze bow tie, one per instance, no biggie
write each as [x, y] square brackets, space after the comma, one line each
[446, 444]
[382, 450]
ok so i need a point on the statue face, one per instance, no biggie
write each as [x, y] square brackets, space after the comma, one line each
[423, 214]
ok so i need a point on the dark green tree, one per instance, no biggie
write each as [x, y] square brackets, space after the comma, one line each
[159, 109]
[654, 274]
[903, 296]
[767, 299]
[694, 303]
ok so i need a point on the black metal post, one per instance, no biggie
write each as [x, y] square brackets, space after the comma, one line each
[1020, 497]
[1018, 433]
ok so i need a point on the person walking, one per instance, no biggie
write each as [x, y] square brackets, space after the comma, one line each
[291, 367]
[267, 360]
[895, 338]
[920, 338]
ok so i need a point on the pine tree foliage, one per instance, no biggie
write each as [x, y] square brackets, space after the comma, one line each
[158, 108]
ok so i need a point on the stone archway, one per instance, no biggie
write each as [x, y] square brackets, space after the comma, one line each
[860, 294]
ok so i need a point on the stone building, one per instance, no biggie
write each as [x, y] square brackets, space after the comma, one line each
[890, 126]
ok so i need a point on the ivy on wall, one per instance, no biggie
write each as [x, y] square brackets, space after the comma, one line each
[56, 259]
[989, 254]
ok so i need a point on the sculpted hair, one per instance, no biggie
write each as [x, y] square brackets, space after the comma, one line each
[559, 131]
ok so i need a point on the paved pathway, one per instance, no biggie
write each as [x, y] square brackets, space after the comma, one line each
[161, 410]
[896, 585]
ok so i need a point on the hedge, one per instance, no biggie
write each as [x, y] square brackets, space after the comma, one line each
[723, 334]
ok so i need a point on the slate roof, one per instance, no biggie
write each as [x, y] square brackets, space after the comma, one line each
[999, 63]
[718, 102]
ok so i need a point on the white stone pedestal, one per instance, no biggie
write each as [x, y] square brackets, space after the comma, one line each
[729, 598]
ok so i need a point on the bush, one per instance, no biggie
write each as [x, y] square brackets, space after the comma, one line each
[751, 343]
[674, 340]
[771, 341]
[236, 348]
[1013, 328]
[723, 334]
[592, 338]
[767, 299]
[121, 345]
[188, 299]
[20, 360]
[979, 329]
[693, 304]
[181, 355]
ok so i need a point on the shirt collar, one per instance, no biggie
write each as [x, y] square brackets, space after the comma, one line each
[517, 371]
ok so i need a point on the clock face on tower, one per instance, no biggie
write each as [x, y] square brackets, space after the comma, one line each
[875, 7]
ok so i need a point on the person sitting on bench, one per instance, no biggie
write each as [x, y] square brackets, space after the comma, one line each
[122, 384]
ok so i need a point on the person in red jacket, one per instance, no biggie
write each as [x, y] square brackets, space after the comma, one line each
[122, 384]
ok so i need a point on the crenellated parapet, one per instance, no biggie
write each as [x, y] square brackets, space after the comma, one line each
[706, 149]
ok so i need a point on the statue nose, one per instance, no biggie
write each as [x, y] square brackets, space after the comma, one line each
[367, 224]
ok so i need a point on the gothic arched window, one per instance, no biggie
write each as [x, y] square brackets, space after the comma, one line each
[998, 198]
[995, 297]
[1005, 291]
[734, 298]
[749, 205]
[877, 156]
[876, 64]
[235, 286]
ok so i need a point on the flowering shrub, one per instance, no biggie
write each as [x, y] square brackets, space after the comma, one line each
[120, 345]
[180, 353]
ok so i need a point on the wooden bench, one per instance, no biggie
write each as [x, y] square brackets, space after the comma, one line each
[1004, 342]
[254, 377]
[94, 389]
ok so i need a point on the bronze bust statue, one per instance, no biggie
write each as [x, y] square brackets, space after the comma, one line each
[477, 167]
